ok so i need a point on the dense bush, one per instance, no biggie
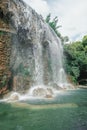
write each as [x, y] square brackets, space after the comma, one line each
[76, 60]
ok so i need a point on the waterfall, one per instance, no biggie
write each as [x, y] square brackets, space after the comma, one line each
[38, 75]
[55, 56]
[56, 51]
[38, 49]
[58, 75]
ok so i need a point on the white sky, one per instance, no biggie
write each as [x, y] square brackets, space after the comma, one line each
[72, 15]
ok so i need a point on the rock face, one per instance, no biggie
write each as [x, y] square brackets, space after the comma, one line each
[33, 47]
[5, 47]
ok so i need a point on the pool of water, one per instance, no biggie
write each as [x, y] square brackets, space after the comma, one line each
[68, 111]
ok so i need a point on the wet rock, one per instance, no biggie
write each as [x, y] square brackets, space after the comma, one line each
[48, 96]
[39, 92]
[82, 86]
[43, 92]
[55, 86]
[14, 97]
[50, 91]
[21, 83]
[3, 90]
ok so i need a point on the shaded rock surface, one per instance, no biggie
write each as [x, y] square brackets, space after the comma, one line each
[5, 47]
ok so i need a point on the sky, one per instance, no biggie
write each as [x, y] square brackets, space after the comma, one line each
[72, 15]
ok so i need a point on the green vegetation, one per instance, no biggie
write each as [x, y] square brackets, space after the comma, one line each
[3, 33]
[3, 81]
[23, 70]
[53, 24]
[76, 60]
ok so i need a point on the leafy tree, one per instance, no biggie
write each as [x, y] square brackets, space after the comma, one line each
[48, 18]
[76, 60]
[84, 41]
[53, 24]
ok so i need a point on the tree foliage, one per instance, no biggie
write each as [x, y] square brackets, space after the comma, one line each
[53, 24]
[76, 60]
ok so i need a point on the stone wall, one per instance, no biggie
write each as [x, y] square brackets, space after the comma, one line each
[5, 49]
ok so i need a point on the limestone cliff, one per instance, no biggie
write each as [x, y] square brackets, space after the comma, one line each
[5, 46]
[30, 47]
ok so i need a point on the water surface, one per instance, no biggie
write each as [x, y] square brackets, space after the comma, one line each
[67, 112]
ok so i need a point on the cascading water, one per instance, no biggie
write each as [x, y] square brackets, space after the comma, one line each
[40, 50]
[56, 61]
[56, 56]
[56, 52]
[38, 76]
[37, 51]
